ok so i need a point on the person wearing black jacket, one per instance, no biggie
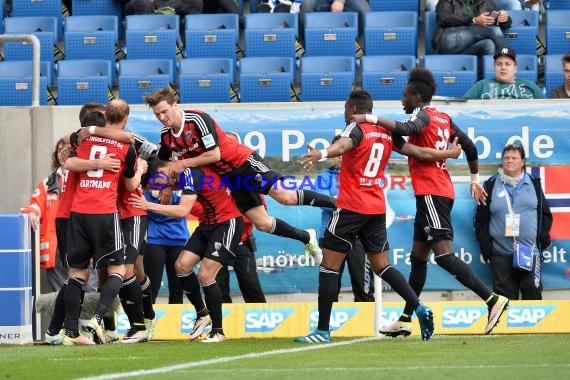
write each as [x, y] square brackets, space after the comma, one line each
[472, 27]
[492, 225]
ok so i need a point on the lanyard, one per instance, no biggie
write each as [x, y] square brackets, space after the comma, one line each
[512, 192]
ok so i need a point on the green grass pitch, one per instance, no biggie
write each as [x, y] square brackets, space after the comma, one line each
[492, 357]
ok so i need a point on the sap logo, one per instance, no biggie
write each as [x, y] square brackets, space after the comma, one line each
[527, 316]
[188, 317]
[462, 316]
[390, 314]
[265, 320]
[123, 324]
[339, 317]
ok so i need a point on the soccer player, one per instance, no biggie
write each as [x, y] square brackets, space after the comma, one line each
[91, 114]
[135, 294]
[434, 193]
[194, 139]
[361, 211]
[213, 243]
[94, 231]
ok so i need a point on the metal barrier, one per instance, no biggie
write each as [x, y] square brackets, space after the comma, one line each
[30, 38]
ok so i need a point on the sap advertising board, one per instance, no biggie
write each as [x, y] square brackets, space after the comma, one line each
[284, 131]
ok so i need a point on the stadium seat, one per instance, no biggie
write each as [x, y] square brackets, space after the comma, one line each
[138, 77]
[24, 68]
[385, 77]
[205, 80]
[16, 84]
[99, 8]
[454, 74]
[527, 67]
[266, 79]
[558, 5]
[394, 5]
[211, 35]
[430, 25]
[271, 34]
[30, 8]
[92, 37]
[521, 36]
[82, 81]
[327, 79]
[328, 33]
[391, 33]
[43, 27]
[152, 36]
[553, 72]
[96, 7]
[558, 31]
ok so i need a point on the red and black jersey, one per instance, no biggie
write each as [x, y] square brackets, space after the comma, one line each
[67, 193]
[431, 177]
[96, 191]
[200, 133]
[361, 177]
[126, 210]
[213, 195]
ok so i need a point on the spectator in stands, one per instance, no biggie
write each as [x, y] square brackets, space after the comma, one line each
[505, 85]
[563, 91]
[470, 27]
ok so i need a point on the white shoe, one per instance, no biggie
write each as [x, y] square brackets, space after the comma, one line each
[135, 336]
[150, 326]
[397, 328]
[93, 327]
[214, 337]
[56, 339]
[199, 325]
[312, 247]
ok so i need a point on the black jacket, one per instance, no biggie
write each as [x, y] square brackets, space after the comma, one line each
[482, 217]
[450, 14]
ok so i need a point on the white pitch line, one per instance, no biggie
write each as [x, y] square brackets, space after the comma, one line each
[227, 359]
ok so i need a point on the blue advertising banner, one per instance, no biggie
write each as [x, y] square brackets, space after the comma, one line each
[281, 132]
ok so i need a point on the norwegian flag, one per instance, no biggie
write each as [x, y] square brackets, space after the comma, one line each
[557, 191]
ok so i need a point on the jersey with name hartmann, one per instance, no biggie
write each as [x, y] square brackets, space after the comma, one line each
[361, 177]
[214, 197]
[200, 133]
[431, 177]
[96, 191]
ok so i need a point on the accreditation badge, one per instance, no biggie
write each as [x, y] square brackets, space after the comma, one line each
[512, 224]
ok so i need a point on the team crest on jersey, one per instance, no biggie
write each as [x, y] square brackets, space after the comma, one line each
[217, 246]
[188, 135]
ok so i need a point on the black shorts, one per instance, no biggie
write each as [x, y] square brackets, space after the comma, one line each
[250, 180]
[61, 234]
[134, 235]
[217, 242]
[433, 219]
[94, 236]
[344, 226]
